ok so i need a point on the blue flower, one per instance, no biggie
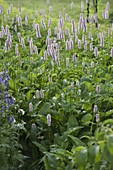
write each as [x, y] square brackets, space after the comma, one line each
[7, 99]
[3, 109]
[11, 119]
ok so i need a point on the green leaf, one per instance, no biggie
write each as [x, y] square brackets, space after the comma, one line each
[69, 167]
[41, 147]
[29, 94]
[85, 78]
[85, 136]
[89, 86]
[72, 122]
[76, 140]
[12, 84]
[110, 112]
[77, 128]
[94, 154]
[3, 145]
[46, 163]
[87, 106]
[110, 144]
[44, 109]
[108, 121]
[81, 155]
[86, 119]
[107, 155]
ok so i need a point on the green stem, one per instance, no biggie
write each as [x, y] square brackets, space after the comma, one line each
[88, 12]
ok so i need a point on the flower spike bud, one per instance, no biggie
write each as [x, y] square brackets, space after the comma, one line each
[45, 55]
[50, 9]
[98, 89]
[33, 126]
[37, 94]
[97, 118]
[72, 5]
[112, 52]
[106, 15]
[96, 52]
[67, 62]
[91, 47]
[49, 120]
[82, 6]
[92, 64]
[30, 107]
[41, 93]
[95, 109]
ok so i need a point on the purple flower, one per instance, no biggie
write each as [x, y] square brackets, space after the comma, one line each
[49, 120]
[33, 126]
[95, 109]
[79, 44]
[49, 22]
[112, 52]
[3, 109]
[45, 55]
[96, 52]
[106, 14]
[98, 89]
[74, 57]
[102, 40]
[66, 17]
[7, 100]
[97, 117]
[91, 47]
[11, 119]
[67, 45]
[30, 107]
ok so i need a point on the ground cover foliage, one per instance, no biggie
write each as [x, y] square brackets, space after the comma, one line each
[56, 89]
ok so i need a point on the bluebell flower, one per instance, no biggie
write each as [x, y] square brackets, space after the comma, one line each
[11, 119]
[3, 109]
[7, 99]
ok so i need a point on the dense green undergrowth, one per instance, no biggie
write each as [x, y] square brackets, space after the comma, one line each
[56, 92]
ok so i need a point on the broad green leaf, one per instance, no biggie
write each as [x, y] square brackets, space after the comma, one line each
[77, 128]
[72, 122]
[29, 94]
[85, 136]
[69, 167]
[12, 84]
[86, 119]
[108, 121]
[3, 145]
[89, 86]
[76, 140]
[85, 78]
[44, 109]
[110, 143]
[94, 154]
[110, 112]
[40, 146]
[81, 155]
[87, 106]
[46, 163]
[107, 155]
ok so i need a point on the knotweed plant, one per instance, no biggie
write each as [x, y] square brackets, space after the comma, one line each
[60, 73]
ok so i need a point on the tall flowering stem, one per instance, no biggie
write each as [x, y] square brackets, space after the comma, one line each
[95, 4]
[96, 11]
[88, 6]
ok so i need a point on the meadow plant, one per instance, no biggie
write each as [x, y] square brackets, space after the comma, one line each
[60, 74]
